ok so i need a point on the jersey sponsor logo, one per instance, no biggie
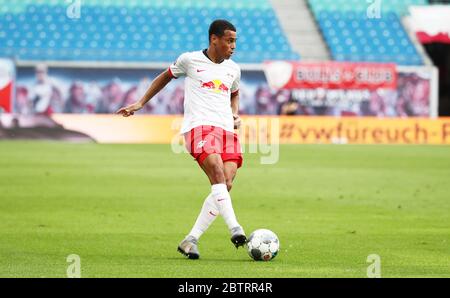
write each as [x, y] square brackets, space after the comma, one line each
[215, 85]
[201, 70]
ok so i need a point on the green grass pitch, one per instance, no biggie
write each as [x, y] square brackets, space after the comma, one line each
[124, 208]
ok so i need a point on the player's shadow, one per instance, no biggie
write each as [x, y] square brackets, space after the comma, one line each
[206, 259]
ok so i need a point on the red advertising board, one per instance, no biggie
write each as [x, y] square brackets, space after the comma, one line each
[431, 23]
[331, 75]
[6, 85]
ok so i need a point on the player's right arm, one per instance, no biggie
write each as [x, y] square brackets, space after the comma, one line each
[157, 85]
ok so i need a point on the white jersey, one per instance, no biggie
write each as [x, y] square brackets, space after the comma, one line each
[208, 89]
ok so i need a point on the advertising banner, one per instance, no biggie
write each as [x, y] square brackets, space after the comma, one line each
[331, 75]
[353, 89]
[430, 22]
[369, 91]
[284, 130]
[7, 80]
[367, 130]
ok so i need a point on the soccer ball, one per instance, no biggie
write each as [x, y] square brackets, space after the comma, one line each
[263, 245]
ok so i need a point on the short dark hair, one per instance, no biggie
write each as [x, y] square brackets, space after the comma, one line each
[218, 28]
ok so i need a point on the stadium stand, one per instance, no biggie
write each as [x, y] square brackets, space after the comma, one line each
[352, 36]
[131, 30]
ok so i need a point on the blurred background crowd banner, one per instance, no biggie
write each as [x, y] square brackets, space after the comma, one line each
[7, 84]
[400, 93]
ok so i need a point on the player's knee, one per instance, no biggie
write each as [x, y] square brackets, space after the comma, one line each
[229, 184]
[217, 173]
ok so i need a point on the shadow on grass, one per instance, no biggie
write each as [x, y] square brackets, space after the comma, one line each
[206, 259]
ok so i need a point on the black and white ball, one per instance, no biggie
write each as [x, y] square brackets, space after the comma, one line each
[263, 245]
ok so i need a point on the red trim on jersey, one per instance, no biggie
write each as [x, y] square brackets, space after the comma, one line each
[234, 93]
[171, 74]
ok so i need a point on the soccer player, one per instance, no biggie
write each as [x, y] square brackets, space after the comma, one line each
[211, 106]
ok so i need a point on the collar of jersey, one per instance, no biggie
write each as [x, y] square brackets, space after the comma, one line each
[206, 55]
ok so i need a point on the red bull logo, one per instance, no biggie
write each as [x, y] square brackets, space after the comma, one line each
[216, 86]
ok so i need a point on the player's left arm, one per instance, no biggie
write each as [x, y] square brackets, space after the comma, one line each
[235, 99]
[235, 109]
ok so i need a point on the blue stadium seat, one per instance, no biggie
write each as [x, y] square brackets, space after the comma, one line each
[352, 36]
[356, 38]
[134, 33]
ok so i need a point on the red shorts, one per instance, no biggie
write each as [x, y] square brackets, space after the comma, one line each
[204, 140]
